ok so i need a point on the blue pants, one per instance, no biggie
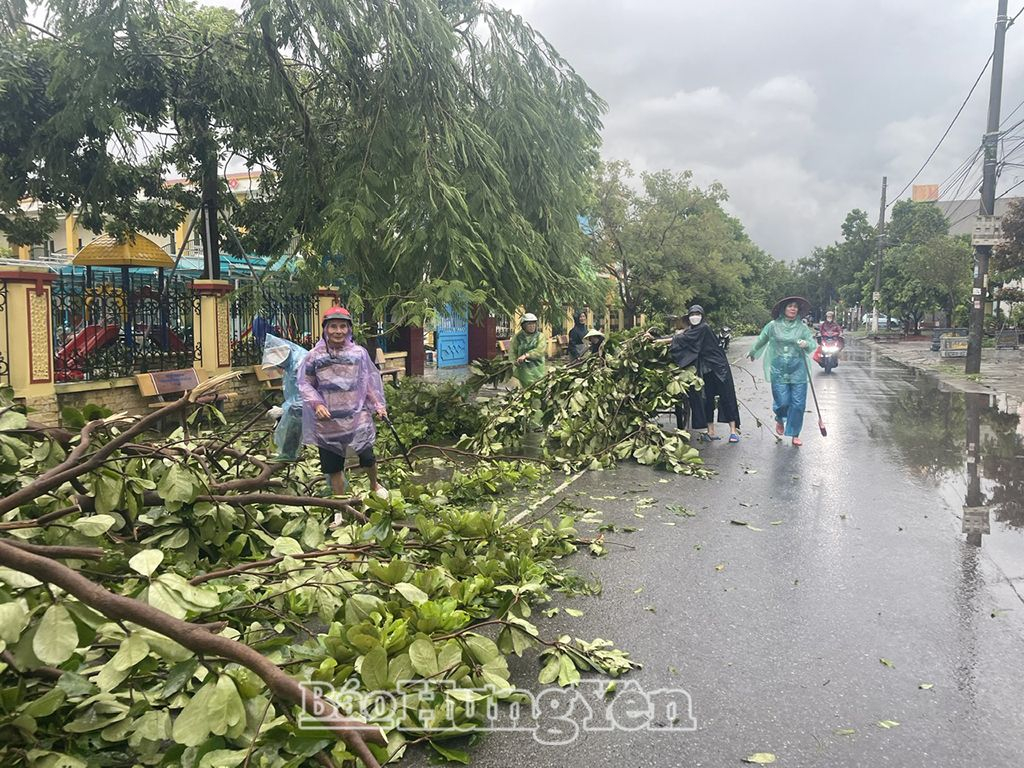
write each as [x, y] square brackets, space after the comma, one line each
[789, 405]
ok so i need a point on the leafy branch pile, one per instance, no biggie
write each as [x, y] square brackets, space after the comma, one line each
[429, 413]
[160, 600]
[597, 411]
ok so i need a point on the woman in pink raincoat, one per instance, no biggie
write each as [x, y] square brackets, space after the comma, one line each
[341, 392]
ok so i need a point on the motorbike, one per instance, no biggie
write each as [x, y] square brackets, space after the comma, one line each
[724, 337]
[827, 354]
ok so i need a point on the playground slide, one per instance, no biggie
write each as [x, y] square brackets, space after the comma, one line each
[83, 344]
[174, 342]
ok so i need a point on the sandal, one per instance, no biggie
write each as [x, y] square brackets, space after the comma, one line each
[797, 442]
[780, 428]
[734, 438]
[715, 437]
[704, 437]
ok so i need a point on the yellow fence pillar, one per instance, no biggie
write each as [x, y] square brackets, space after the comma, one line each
[26, 339]
[71, 242]
[327, 296]
[212, 325]
[24, 252]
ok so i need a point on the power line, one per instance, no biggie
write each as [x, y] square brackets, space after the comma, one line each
[957, 116]
[1000, 197]
[948, 129]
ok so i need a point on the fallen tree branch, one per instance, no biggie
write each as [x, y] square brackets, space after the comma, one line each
[355, 734]
[57, 551]
[43, 673]
[196, 581]
[73, 466]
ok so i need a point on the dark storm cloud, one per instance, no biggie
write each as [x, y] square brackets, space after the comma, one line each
[798, 107]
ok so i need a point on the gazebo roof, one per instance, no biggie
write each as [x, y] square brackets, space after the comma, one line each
[106, 251]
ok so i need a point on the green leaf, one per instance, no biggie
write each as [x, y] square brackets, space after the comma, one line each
[374, 670]
[223, 758]
[178, 486]
[285, 545]
[887, 663]
[14, 618]
[760, 758]
[412, 593]
[926, 686]
[568, 674]
[574, 612]
[41, 759]
[107, 491]
[46, 704]
[57, 637]
[75, 685]
[424, 659]
[94, 525]
[133, 649]
[450, 754]
[550, 672]
[844, 731]
[482, 648]
[887, 724]
[146, 561]
[449, 655]
[193, 724]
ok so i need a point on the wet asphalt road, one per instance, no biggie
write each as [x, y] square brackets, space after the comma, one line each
[777, 634]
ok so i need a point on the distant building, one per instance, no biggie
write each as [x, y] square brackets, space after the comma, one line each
[959, 213]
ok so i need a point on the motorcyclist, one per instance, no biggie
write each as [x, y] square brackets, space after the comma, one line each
[830, 330]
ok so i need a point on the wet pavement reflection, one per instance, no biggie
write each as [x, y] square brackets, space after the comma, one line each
[973, 443]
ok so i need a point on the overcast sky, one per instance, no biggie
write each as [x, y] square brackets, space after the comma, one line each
[798, 106]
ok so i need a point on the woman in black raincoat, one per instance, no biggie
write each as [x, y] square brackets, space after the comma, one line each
[698, 345]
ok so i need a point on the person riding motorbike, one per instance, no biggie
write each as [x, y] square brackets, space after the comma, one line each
[830, 342]
[830, 329]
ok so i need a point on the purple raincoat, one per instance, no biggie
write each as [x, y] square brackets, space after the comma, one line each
[348, 384]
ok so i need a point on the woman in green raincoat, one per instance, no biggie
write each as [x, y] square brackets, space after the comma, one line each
[785, 343]
[527, 351]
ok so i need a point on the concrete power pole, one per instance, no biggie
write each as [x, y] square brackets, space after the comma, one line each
[988, 197]
[877, 295]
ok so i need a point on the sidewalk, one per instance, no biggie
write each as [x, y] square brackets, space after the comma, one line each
[1002, 371]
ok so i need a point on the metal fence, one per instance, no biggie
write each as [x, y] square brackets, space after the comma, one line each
[111, 322]
[285, 311]
[502, 326]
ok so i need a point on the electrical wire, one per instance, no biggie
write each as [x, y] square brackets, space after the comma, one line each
[946, 132]
[957, 117]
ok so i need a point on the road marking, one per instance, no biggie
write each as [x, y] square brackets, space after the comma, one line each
[547, 498]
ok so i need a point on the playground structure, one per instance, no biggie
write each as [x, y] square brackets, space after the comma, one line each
[116, 313]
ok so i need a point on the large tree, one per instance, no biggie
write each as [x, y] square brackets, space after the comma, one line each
[669, 242]
[409, 143]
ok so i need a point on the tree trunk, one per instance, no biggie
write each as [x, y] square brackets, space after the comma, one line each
[209, 229]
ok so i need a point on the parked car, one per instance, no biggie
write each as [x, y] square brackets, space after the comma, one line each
[883, 321]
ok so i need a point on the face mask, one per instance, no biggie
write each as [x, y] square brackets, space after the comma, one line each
[695, 319]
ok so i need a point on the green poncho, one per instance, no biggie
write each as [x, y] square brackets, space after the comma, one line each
[531, 345]
[784, 361]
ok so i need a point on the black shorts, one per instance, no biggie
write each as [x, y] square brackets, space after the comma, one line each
[331, 463]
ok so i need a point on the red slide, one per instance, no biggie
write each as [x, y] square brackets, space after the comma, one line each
[83, 344]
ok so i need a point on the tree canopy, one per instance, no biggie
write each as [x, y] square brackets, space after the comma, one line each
[402, 144]
[670, 243]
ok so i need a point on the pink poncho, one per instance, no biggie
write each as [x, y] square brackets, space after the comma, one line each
[347, 383]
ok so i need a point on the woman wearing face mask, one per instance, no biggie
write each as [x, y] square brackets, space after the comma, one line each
[697, 345]
[785, 343]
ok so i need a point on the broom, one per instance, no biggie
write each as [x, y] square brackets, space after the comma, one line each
[810, 380]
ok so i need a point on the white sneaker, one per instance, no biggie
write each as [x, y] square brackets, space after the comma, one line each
[382, 493]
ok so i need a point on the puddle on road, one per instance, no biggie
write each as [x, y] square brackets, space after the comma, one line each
[973, 443]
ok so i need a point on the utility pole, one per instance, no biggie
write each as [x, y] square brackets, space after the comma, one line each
[877, 295]
[988, 197]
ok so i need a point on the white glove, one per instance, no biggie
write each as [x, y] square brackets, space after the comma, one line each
[275, 413]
